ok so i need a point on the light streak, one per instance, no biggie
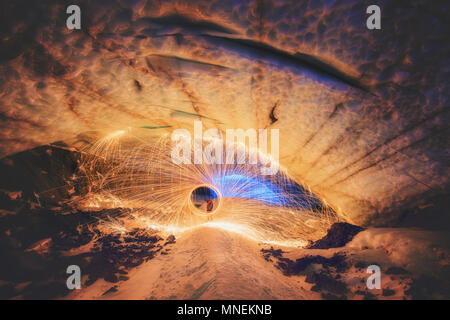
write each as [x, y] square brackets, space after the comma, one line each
[133, 170]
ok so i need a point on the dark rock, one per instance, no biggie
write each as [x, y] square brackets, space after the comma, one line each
[315, 288]
[45, 291]
[37, 187]
[338, 235]
[110, 290]
[267, 253]
[366, 295]
[289, 267]
[138, 85]
[90, 280]
[39, 170]
[369, 296]
[170, 239]
[427, 287]
[388, 292]
[330, 296]
[324, 282]
[111, 277]
[396, 270]
[124, 278]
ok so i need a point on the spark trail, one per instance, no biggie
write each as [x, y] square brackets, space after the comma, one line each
[132, 169]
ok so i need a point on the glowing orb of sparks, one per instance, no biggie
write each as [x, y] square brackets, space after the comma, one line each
[133, 170]
[205, 200]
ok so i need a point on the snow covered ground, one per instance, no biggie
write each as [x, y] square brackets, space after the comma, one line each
[209, 263]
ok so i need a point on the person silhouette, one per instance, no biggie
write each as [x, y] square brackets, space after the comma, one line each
[209, 205]
[209, 208]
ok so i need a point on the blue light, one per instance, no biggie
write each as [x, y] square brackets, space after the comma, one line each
[241, 186]
[277, 191]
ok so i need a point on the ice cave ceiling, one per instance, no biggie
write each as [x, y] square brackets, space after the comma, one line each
[363, 114]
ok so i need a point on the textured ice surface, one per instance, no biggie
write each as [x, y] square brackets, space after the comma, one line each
[362, 114]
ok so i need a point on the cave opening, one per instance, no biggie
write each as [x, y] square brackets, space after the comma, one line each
[205, 200]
